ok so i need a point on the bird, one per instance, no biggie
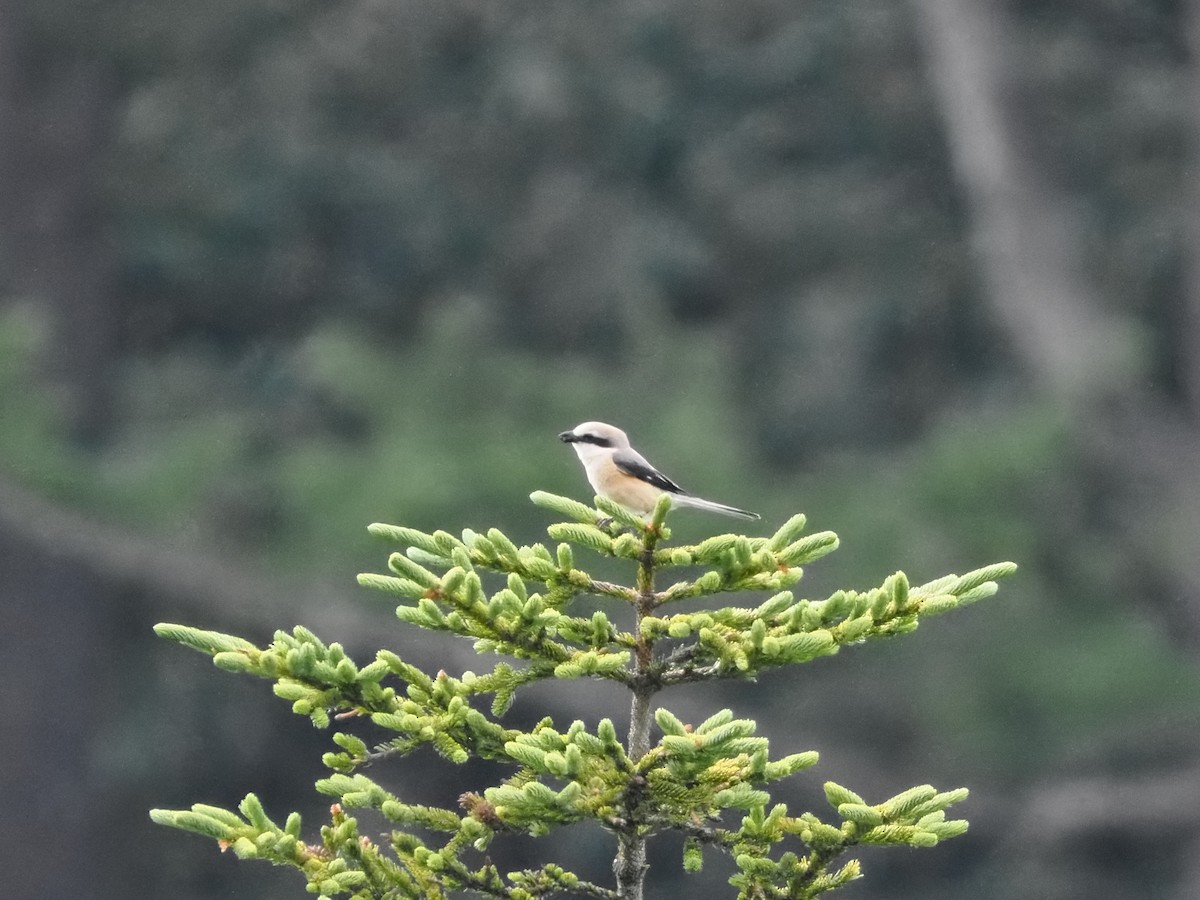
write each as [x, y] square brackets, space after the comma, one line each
[616, 471]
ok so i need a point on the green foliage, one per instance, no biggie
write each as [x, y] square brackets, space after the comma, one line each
[514, 602]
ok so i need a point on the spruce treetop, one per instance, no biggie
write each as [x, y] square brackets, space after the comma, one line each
[707, 781]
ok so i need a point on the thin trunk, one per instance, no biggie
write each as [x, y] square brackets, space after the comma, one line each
[74, 250]
[630, 866]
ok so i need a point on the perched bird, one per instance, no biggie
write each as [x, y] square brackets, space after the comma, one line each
[618, 472]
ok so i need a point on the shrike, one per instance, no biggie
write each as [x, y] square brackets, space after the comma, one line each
[618, 472]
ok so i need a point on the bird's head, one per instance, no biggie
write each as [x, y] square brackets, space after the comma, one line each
[592, 438]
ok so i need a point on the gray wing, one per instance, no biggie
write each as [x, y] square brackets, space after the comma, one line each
[633, 463]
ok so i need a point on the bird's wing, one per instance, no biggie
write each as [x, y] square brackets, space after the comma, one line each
[633, 463]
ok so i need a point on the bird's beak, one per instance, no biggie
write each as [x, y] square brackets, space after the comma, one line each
[568, 437]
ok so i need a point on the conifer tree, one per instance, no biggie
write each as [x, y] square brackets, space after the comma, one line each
[706, 781]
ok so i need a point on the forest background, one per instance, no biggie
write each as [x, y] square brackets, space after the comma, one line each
[927, 271]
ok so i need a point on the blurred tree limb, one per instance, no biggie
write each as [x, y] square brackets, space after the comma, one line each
[1068, 810]
[1030, 250]
[190, 576]
[1027, 241]
[1062, 818]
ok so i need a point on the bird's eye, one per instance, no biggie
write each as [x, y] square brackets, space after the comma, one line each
[595, 439]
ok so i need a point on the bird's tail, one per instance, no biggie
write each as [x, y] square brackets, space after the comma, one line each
[699, 503]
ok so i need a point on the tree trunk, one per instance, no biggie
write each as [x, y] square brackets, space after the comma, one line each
[1027, 243]
[76, 266]
[1187, 336]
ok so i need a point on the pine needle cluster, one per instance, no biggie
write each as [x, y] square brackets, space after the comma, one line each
[707, 781]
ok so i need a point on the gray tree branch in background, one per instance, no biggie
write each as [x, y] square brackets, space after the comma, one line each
[1027, 241]
[189, 576]
[1031, 262]
[1030, 257]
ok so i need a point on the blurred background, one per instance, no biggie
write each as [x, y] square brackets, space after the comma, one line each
[926, 271]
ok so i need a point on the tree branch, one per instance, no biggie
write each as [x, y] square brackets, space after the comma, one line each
[1028, 245]
[191, 576]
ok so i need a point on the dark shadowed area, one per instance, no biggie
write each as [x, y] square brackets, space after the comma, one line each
[926, 271]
